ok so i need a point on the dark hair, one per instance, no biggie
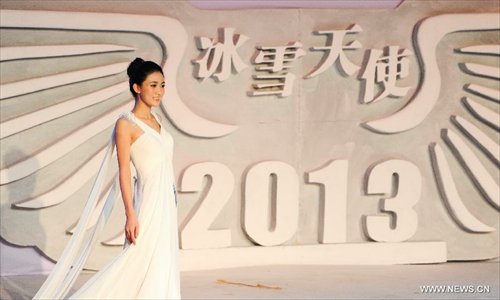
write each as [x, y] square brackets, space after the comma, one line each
[138, 71]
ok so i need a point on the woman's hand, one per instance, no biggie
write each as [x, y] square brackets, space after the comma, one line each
[132, 227]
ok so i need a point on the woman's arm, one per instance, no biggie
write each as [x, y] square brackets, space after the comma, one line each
[123, 138]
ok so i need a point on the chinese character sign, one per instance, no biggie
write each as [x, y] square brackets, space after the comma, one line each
[220, 57]
[306, 131]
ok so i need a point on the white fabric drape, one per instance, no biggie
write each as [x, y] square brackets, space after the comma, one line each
[76, 252]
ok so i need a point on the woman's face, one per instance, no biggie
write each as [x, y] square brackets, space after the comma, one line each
[152, 89]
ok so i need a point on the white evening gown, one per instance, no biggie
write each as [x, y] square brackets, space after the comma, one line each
[150, 268]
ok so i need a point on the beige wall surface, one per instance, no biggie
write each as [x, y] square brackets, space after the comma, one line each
[433, 157]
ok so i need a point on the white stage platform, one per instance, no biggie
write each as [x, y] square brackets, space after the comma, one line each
[477, 280]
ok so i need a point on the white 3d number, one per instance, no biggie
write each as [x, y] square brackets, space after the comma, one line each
[284, 195]
[196, 233]
[333, 179]
[401, 181]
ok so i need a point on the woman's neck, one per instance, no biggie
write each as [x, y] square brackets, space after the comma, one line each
[142, 110]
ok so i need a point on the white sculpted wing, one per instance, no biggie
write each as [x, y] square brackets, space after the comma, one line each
[428, 35]
[63, 85]
[474, 140]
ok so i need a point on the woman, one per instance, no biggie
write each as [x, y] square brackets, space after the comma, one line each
[147, 267]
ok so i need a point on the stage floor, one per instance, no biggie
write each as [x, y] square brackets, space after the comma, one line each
[460, 280]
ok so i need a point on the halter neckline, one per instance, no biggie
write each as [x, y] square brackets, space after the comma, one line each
[154, 116]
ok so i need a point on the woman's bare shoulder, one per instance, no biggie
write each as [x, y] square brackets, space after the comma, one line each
[123, 125]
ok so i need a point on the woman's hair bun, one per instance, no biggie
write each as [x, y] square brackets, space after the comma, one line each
[134, 66]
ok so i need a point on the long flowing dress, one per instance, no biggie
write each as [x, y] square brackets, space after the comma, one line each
[150, 268]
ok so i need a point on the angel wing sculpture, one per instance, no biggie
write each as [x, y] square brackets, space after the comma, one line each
[477, 123]
[63, 86]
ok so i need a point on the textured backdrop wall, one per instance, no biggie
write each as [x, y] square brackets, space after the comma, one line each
[301, 135]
